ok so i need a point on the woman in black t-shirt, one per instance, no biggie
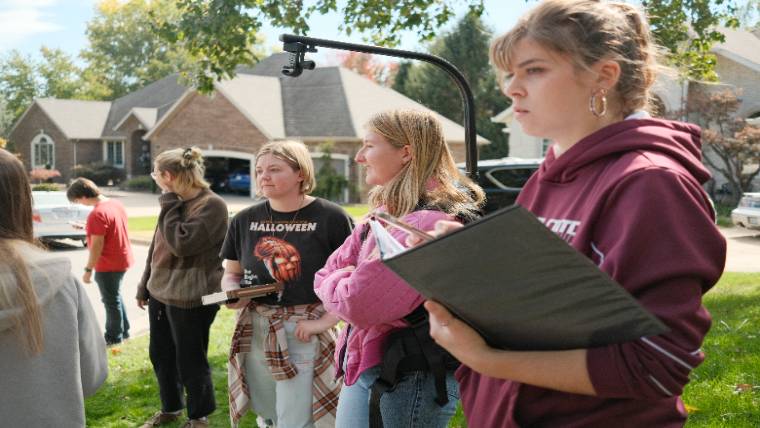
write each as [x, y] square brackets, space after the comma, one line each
[281, 354]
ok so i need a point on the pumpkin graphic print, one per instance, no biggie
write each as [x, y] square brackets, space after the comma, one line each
[281, 258]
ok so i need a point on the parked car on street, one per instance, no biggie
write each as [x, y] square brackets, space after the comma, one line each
[747, 214]
[54, 217]
[502, 179]
[239, 181]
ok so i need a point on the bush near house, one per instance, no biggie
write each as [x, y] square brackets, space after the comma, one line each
[141, 182]
[44, 175]
[102, 174]
[47, 187]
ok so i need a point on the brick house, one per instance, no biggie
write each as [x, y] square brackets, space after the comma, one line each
[329, 104]
[738, 67]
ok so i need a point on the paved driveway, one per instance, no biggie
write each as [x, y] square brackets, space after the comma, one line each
[743, 249]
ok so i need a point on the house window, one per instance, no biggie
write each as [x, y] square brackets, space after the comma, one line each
[43, 152]
[114, 153]
[545, 143]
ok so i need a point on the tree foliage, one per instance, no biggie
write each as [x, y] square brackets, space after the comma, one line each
[731, 146]
[330, 183]
[124, 53]
[22, 79]
[466, 47]
[688, 29]
[220, 33]
[382, 73]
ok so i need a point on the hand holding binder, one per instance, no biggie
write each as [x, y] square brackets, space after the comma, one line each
[521, 286]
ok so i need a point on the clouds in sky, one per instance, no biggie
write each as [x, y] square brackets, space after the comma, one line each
[20, 19]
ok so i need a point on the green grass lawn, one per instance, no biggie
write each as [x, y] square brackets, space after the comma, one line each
[724, 391]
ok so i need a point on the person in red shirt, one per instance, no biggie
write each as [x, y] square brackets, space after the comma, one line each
[578, 72]
[110, 253]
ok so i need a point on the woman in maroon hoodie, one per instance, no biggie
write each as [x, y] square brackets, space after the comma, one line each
[579, 72]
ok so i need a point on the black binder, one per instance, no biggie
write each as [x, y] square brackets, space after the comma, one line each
[522, 287]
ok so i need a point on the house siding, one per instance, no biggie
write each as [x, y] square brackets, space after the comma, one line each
[744, 78]
[34, 122]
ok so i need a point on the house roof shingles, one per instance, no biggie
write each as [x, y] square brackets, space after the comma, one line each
[78, 120]
[328, 102]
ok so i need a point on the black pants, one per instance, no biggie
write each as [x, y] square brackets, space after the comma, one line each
[178, 351]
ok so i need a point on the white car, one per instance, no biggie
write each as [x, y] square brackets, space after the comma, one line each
[747, 214]
[55, 217]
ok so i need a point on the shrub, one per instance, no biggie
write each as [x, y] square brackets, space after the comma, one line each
[142, 182]
[47, 187]
[44, 174]
[330, 184]
[102, 174]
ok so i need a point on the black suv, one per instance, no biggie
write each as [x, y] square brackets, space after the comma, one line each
[502, 179]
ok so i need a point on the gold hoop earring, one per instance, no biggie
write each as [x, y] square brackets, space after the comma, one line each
[592, 104]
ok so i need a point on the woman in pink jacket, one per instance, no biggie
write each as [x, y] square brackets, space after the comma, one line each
[415, 178]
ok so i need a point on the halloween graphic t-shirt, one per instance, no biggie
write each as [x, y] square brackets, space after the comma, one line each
[287, 247]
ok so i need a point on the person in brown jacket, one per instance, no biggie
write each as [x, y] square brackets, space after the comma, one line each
[183, 265]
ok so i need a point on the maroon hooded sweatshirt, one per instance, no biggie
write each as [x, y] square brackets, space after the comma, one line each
[629, 197]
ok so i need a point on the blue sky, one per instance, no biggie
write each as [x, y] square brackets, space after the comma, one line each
[26, 25]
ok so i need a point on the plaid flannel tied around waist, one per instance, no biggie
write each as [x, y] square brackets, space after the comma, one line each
[325, 388]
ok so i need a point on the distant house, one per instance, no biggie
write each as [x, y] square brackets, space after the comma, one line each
[329, 104]
[738, 67]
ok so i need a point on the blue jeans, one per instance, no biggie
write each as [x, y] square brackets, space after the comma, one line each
[410, 404]
[117, 324]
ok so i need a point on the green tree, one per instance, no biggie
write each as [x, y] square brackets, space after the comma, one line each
[330, 184]
[466, 47]
[124, 54]
[22, 79]
[688, 29]
[220, 33]
[18, 83]
[59, 76]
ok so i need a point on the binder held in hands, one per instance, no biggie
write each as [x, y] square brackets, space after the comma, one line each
[519, 285]
[242, 293]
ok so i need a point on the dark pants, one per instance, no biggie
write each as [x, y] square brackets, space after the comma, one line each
[117, 324]
[178, 351]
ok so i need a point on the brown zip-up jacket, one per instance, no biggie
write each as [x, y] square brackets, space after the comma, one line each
[183, 260]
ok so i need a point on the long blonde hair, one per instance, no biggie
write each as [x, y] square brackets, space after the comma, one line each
[431, 177]
[16, 290]
[587, 31]
[186, 165]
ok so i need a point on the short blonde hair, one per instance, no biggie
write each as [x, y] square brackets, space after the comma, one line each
[431, 163]
[186, 165]
[587, 31]
[297, 156]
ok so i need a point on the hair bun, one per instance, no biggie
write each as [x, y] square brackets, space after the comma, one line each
[191, 156]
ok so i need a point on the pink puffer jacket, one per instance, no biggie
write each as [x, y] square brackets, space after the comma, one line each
[369, 297]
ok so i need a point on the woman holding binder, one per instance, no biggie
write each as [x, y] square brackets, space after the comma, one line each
[579, 73]
[414, 177]
[281, 348]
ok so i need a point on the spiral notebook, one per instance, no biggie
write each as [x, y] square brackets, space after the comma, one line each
[521, 286]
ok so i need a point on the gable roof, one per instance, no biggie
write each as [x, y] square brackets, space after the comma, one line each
[328, 102]
[259, 99]
[77, 119]
[159, 95]
[337, 102]
[146, 116]
[741, 46]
